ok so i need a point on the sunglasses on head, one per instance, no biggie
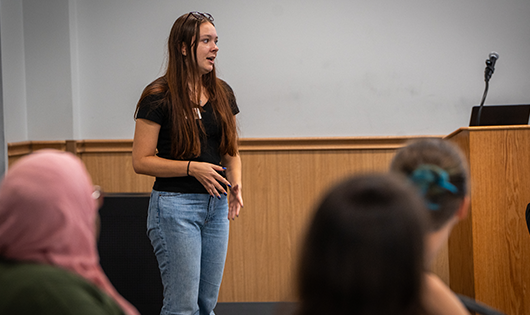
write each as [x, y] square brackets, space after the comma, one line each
[200, 16]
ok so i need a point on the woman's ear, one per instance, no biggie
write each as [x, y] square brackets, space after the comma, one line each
[464, 208]
[183, 49]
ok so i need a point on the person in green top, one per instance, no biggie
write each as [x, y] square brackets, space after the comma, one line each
[49, 262]
[32, 288]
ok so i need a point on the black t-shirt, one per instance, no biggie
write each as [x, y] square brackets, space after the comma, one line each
[152, 109]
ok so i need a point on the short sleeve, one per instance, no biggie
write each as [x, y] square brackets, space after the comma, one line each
[231, 98]
[152, 108]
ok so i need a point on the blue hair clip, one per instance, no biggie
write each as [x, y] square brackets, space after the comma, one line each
[427, 175]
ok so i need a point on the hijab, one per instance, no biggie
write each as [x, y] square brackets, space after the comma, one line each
[48, 216]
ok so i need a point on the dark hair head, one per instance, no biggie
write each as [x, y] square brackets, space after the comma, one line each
[364, 249]
[439, 169]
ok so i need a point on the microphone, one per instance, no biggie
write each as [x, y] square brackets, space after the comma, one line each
[490, 65]
[493, 57]
[490, 68]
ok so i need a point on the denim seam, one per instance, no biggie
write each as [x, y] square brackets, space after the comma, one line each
[162, 237]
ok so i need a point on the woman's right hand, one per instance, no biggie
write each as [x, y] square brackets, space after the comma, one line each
[208, 175]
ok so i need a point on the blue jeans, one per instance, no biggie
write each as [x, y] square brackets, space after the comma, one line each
[189, 234]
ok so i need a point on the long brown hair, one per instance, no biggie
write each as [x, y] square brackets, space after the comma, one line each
[181, 102]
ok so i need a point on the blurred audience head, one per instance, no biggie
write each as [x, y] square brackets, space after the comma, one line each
[49, 215]
[440, 172]
[363, 253]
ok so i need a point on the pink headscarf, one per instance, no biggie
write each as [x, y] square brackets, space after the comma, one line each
[48, 215]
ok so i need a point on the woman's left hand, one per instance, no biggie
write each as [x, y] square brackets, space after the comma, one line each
[235, 202]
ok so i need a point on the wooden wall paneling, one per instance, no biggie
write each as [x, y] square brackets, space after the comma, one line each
[460, 245]
[56, 145]
[283, 180]
[495, 235]
[114, 173]
[17, 150]
[109, 162]
[502, 257]
[280, 192]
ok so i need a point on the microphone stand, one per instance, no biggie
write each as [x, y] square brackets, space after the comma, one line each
[487, 75]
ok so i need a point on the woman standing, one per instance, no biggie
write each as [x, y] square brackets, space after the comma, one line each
[186, 136]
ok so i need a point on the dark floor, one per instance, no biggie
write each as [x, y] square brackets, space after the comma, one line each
[255, 308]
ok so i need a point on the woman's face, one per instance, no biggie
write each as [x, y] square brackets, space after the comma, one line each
[207, 48]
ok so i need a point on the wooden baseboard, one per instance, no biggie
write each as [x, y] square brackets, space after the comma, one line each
[17, 149]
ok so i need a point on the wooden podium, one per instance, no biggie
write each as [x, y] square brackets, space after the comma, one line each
[489, 252]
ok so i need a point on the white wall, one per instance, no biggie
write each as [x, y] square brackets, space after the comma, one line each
[48, 71]
[13, 71]
[299, 68]
[3, 144]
